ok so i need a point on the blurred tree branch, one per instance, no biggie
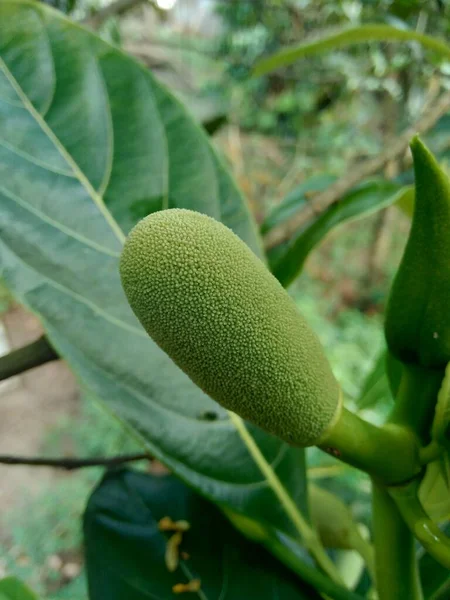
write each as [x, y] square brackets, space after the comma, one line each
[357, 173]
[23, 359]
[119, 7]
[69, 464]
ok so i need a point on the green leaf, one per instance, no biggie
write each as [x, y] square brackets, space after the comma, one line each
[287, 260]
[375, 390]
[434, 491]
[125, 550]
[13, 589]
[330, 40]
[406, 202]
[381, 384]
[89, 143]
[295, 200]
[440, 430]
[417, 321]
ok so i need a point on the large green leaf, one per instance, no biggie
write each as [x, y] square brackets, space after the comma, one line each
[287, 260]
[89, 143]
[13, 589]
[347, 36]
[125, 550]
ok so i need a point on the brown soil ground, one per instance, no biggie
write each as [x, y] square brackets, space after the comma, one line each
[29, 405]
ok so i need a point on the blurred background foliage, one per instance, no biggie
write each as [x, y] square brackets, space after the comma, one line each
[321, 116]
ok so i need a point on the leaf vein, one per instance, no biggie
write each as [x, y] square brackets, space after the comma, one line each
[57, 225]
[11, 102]
[86, 302]
[36, 161]
[98, 200]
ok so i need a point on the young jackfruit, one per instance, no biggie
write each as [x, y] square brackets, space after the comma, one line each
[216, 310]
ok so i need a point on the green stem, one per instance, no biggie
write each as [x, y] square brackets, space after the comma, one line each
[389, 453]
[35, 354]
[420, 524]
[290, 553]
[430, 453]
[416, 399]
[395, 561]
[307, 534]
[308, 573]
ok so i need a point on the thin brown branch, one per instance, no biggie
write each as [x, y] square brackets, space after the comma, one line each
[69, 464]
[320, 202]
[119, 7]
[23, 359]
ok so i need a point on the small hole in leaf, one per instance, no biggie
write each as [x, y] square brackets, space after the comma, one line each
[208, 415]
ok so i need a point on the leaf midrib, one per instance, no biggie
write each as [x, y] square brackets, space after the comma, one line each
[84, 181]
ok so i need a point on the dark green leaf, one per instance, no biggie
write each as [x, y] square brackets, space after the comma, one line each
[125, 549]
[417, 321]
[348, 36]
[13, 589]
[215, 123]
[287, 260]
[89, 143]
[434, 577]
[394, 371]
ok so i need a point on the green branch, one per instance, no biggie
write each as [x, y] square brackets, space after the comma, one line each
[348, 37]
[117, 8]
[69, 464]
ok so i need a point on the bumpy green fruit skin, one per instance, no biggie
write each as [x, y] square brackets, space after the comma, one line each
[418, 314]
[215, 309]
